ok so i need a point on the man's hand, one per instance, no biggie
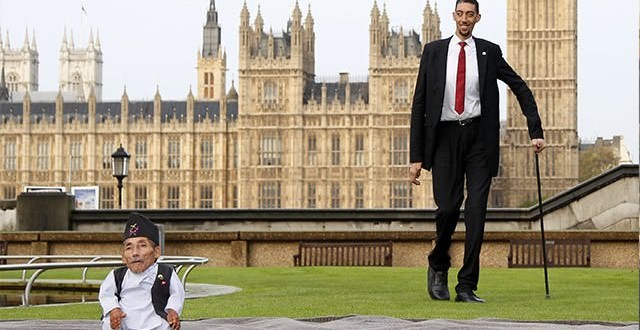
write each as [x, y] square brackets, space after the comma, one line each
[414, 173]
[538, 145]
[115, 317]
[174, 319]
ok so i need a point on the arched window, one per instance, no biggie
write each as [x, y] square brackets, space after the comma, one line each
[401, 92]
[270, 92]
[76, 83]
[13, 81]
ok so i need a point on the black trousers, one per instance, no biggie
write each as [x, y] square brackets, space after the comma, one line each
[459, 153]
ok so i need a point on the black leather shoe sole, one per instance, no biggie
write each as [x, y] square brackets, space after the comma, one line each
[469, 298]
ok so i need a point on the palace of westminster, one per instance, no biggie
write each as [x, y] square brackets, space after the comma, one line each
[282, 139]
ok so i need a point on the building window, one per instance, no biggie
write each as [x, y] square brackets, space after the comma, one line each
[76, 83]
[234, 163]
[234, 196]
[359, 157]
[399, 149]
[43, 155]
[173, 197]
[270, 150]
[401, 92]
[312, 150]
[270, 92]
[335, 150]
[106, 198]
[311, 195]
[76, 155]
[335, 195]
[400, 195]
[9, 192]
[10, 155]
[173, 151]
[140, 197]
[359, 192]
[206, 153]
[141, 153]
[107, 150]
[269, 195]
[13, 81]
[206, 197]
[208, 85]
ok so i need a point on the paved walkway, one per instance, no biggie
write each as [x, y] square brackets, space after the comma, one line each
[339, 323]
[349, 322]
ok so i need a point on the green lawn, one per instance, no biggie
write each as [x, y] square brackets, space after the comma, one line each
[518, 294]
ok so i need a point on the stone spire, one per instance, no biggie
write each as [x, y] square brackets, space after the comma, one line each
[71, 44]
[64, 45]
[308, 21]
[34, 46]
[259, 22]
[91, 39]
[98, 46]
[25, 45]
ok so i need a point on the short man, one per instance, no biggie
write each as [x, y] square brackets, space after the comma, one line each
[144, 294]
[455, 124]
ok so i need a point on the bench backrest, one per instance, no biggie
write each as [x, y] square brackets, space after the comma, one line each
[344, 254]
[560, 253]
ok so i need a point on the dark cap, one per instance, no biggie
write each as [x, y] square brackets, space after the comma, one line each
[140, 226]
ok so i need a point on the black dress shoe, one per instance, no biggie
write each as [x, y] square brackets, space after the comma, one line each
[469, 297]
[437, 285]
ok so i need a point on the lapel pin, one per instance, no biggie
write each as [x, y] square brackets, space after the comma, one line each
[484, 53]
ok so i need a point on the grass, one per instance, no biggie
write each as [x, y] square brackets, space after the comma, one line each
[517, 294]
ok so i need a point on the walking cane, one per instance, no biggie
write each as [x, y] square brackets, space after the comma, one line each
[544, 244]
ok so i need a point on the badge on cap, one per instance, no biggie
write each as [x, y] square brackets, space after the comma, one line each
[133, 229]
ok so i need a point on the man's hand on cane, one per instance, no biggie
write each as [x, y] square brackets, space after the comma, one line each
[538, 145]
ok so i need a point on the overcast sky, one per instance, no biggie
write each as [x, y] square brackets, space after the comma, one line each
[149, 43]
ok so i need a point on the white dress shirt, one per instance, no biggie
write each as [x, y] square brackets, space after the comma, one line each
[136, 300]
[472, 82]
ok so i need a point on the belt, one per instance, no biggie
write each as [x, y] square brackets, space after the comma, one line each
[462, 122]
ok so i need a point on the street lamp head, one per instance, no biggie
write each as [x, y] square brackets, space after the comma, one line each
[120, 163]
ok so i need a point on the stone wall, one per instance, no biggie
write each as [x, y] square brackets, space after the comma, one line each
[258, 249]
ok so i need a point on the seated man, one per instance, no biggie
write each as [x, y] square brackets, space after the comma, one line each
[144, 294]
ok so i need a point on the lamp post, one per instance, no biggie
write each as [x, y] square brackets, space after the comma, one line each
[120, 166]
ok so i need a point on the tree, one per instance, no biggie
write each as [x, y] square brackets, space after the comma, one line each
[596, 160]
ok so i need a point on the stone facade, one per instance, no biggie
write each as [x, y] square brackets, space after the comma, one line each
[81, 68]
[542, 47]
[20, 64]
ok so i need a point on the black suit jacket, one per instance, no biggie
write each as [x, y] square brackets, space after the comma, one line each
[429, 94]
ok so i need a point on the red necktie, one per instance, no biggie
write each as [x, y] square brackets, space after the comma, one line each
[460, 78]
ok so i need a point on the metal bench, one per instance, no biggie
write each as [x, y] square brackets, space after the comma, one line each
[42, 263]
[527, 253]
[344, 254]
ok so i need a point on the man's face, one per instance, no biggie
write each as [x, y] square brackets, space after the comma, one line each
[139, 253]
[465, 17]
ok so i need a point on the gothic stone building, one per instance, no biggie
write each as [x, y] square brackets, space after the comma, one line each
[282, 140]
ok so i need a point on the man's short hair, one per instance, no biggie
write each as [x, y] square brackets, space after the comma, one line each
[473, 2]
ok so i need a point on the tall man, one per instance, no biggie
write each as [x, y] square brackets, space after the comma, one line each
[455, 121]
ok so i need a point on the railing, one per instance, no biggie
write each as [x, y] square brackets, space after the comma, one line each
[96, 261]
